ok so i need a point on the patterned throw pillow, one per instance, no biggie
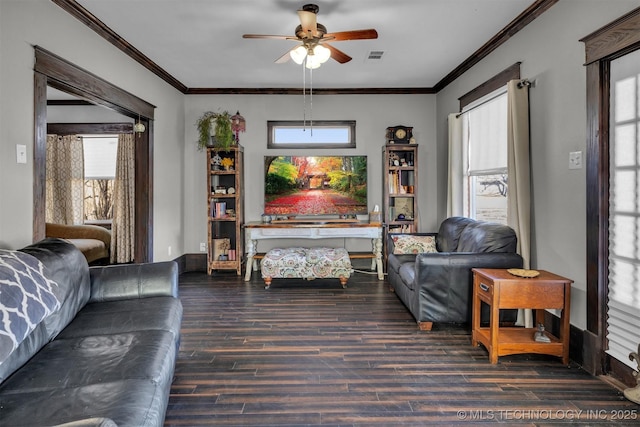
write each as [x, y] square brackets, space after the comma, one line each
[26, 297]
[410, 244]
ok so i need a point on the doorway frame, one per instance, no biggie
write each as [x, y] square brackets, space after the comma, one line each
[51, 70]
[604, 45]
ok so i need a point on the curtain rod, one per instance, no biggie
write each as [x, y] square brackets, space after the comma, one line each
[522, 83]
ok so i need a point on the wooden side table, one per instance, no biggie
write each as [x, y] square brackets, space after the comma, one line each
[501, 290]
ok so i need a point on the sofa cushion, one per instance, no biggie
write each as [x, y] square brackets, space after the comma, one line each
[26, 298]
[449, 233]
[128, 402]
[413, 244]
[487, 237]
[407, 274]
[98, 359]
[395, 261]
[143, 314]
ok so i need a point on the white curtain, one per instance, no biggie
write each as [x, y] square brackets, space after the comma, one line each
[519, 178]
[518, 173]
[456, 173]
[64, 180]
[122, 228]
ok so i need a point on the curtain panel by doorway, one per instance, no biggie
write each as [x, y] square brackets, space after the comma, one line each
[64, 180]
[122, 229]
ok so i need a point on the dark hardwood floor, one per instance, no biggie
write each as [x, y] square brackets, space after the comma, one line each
[311, 353]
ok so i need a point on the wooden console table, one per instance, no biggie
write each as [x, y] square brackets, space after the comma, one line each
[256, 231]
[501, 290]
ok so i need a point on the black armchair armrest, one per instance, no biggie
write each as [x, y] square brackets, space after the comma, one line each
[445, 279]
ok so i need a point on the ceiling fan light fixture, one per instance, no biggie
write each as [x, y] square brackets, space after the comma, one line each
[312, 63]
[298, 54]
[321, 53]
[312, 57]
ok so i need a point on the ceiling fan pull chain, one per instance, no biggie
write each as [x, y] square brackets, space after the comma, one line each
[311, 100]
[304, 97]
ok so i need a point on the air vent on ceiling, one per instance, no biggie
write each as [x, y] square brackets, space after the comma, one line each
[375, 54]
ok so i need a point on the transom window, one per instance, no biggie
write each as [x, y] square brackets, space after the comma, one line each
[316, 134]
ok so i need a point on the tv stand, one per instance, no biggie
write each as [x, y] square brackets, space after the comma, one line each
[314, 221]
[328, 229]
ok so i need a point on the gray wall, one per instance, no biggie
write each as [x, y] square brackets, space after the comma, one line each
[372, 113]
[552, 55]
[550, 52]
[24, 24]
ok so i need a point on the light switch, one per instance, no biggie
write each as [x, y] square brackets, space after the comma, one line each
[575, 160]
[21, 153]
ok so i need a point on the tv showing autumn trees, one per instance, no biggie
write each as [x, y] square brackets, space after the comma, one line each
[315, 185]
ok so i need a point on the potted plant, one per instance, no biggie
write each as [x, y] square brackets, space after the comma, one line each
[218, 126]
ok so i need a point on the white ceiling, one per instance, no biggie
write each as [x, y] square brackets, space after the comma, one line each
[199, 42]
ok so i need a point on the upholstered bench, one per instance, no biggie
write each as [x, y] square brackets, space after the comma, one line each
[306, 263]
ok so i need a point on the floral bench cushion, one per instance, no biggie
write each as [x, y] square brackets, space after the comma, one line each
[306, 263]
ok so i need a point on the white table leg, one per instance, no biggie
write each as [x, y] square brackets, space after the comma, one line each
[251, 251]
[377, 251]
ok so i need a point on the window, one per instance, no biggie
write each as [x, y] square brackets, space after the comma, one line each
[99, 174]
[623, 307]
[484, 129]
[319, 134]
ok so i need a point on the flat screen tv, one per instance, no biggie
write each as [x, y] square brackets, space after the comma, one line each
[315, 185]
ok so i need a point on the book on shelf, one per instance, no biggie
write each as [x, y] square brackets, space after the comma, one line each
[395, 182]
[398, 183]
[218, 209]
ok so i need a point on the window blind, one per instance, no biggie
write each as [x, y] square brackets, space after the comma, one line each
[486, 125]
[100, 157]
[623, 307]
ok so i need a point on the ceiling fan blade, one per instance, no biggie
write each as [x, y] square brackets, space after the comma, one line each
[308, 23]
[352, 35]
[268, 36]
[284, 58]
[337, 54]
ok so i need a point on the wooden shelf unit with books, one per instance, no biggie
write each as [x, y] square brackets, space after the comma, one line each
[225, 209]
[400, 189]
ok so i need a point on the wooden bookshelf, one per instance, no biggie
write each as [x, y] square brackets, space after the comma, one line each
[225, 210]
[400, 190]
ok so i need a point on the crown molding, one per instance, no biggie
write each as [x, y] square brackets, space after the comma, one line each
[83, 15]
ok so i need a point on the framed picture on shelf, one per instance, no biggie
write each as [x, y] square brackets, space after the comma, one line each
[221, 247]
[404, 206]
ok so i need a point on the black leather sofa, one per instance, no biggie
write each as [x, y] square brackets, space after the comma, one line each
[437, 286]
[102, 355]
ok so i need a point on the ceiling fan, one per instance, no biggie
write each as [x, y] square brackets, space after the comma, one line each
[314, 47]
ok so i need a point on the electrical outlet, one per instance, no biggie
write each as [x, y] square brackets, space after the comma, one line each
[203, 247]
[575, 160]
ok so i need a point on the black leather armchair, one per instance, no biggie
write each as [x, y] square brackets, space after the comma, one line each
[437, 286]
